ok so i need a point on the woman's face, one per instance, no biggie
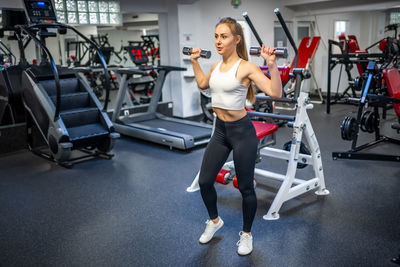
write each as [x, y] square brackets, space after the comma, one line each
[224, 40]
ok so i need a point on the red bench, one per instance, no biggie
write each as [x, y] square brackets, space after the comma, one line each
[264, 129]
[354, 48]
[306, 51]
[283, 70]
[392, 81]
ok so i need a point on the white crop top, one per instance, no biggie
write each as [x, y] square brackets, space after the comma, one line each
[226, 91]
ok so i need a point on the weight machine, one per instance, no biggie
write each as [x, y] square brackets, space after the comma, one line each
[347, 60]
[350, 54]
[368, 121]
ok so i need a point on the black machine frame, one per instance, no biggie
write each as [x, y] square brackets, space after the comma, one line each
[389, 55]
[346, 59]
[39, 27]
[350, 126]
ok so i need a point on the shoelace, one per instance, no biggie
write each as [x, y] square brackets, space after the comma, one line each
[208, 229]
[242, 238]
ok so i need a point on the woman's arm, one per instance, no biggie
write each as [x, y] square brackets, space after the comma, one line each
[272, 87]
[201, 78]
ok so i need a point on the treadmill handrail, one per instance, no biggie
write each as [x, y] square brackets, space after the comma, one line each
[170, 68]
[53, 67]
[130, 71]
[93, 44]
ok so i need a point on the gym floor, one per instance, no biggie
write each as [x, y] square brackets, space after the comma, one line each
[134, 210]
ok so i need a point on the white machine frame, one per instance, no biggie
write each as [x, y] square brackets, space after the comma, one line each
[291, 186]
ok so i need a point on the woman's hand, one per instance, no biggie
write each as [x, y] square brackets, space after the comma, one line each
[195, 54]
[268, 54]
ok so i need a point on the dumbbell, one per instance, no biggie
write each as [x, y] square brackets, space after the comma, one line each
[187, 50]
[279, 51]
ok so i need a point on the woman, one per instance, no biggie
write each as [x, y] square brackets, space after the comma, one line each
[230, 83]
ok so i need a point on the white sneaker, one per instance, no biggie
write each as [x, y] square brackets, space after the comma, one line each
[245, 244]
[210, 230]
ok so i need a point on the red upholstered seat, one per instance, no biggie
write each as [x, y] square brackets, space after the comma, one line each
[306, 50]
[392, 80]
[283, 71]
[263, 129]
[354, 48]
[343, 42]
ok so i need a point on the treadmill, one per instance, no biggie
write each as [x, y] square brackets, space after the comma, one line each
[153, 126]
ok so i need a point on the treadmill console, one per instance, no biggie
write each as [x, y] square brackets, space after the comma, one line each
[137, 55]
[40, 11]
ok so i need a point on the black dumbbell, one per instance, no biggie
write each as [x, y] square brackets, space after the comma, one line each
[187, 50]
[279, 51]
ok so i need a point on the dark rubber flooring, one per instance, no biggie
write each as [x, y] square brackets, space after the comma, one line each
[133, 210]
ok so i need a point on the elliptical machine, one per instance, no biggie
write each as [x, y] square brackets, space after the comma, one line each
[58, 101]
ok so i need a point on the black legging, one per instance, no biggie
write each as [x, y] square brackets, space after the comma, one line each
[239, 136]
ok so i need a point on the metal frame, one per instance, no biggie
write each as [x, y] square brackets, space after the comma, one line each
[291, 186]
[56, 126]
[376, 101]
[346, 59]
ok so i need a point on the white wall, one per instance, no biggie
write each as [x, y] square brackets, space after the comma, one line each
[169, 43]
[170, 55]
[198, 21]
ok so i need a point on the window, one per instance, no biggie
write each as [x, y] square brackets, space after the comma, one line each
[340, 28]
[394, 18]
[95, 12]
[304, 29]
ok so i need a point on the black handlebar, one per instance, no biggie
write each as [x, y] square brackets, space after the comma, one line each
[53, 67]
[93, 44]
[246, 17]
[288, 35]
